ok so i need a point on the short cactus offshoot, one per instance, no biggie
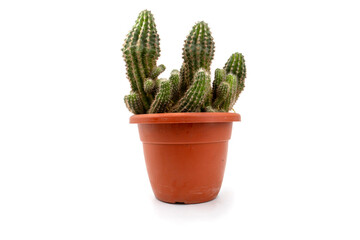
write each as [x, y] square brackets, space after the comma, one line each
[187, 90]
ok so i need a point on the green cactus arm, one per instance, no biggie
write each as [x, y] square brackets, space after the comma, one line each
[230, 100]
[157, 85]
[208, 101]
[162, 101]
[199, 47]
[198, 52]
[175, 85]
[149, 86]
[141, 51]
[184, 78]
[134, 103]
[157, 71]
[223, 91]
[236, 65]
[220, 76]
[196, 95]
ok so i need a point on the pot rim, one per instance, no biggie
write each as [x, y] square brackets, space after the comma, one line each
[193, 117]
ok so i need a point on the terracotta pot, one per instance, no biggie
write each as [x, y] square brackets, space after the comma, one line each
[185, 153]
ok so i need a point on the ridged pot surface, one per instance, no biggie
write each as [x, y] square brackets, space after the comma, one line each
[185, 153]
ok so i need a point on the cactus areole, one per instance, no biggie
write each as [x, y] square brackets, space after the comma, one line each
[184, 120]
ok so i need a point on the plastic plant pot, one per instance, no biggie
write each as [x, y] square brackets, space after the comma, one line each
[185, 153]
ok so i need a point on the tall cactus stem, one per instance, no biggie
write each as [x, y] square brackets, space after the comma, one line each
[141, 51]
[198, 52]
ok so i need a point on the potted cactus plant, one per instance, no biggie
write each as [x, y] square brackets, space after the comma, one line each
[184, 121]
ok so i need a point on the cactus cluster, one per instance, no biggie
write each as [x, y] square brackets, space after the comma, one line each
[187, 90]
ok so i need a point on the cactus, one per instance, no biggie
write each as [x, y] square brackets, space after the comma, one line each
[141, 51]
[225, 94]
[187, 90]
[236, 65]
[198, 52]
[230, 99]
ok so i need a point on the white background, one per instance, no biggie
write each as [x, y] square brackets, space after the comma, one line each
[72, 167]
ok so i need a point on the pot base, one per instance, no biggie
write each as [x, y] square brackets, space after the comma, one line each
[181, 203]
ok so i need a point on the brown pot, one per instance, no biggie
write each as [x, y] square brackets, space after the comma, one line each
[185, 153]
